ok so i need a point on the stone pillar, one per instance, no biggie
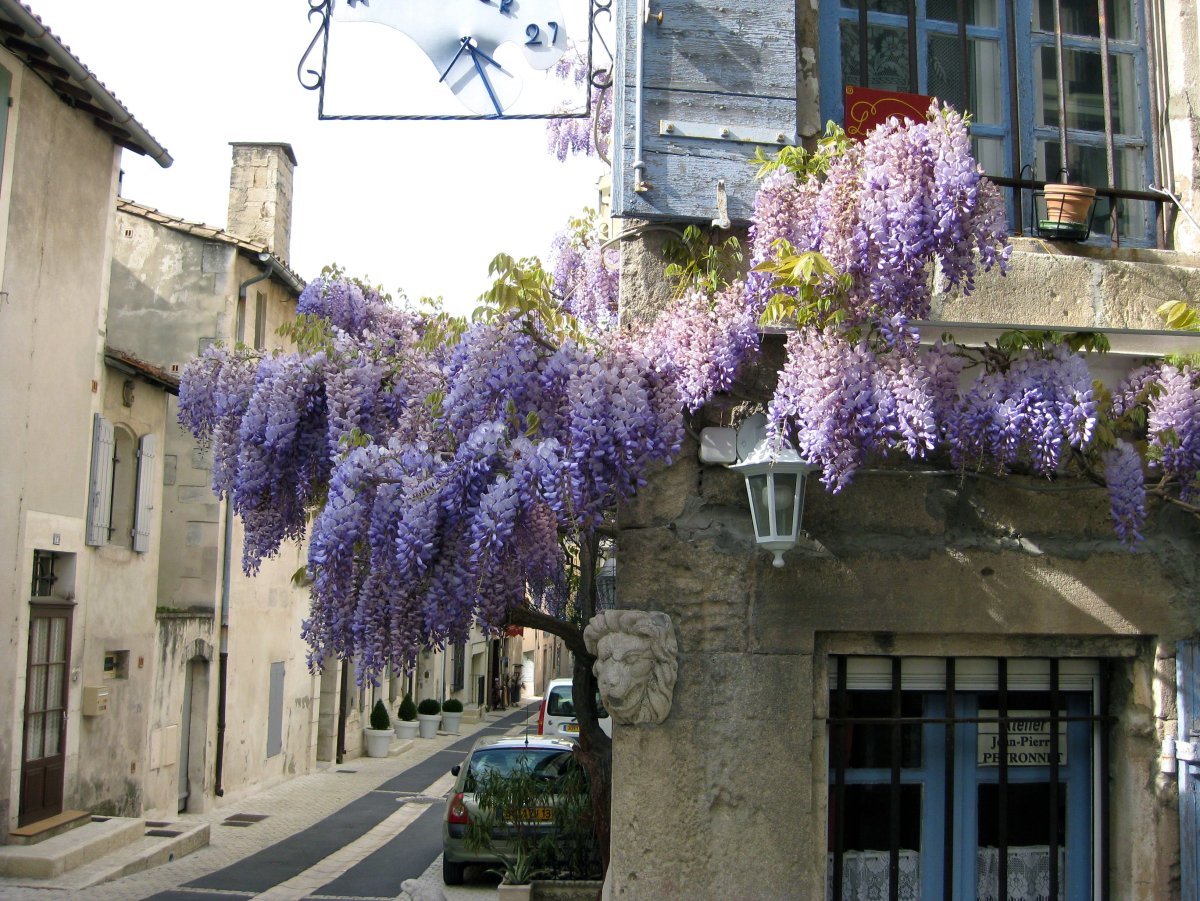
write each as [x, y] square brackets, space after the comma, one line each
[260, 195]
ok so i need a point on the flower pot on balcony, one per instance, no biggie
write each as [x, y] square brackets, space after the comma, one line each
[1068, 211]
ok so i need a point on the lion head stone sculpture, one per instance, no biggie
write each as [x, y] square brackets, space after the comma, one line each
[636, 663]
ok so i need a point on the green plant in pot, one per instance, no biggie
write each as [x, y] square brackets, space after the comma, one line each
[507, 824]
[406, 726]
[378, 736]
[452, 712]
[429, 715]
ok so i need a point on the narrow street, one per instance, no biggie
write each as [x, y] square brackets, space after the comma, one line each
[355, 831]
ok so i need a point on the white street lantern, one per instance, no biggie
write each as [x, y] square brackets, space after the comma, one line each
[775, 477]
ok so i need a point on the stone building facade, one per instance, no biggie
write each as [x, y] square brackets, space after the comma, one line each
[851, 700]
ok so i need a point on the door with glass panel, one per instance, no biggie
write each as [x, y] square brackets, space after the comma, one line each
[43, 755]
[951, 778]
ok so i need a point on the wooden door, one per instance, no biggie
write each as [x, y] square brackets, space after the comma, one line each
[44, 739]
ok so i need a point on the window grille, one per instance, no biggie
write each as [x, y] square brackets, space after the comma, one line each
[1030, 74]
[43, 574]
[949, 779]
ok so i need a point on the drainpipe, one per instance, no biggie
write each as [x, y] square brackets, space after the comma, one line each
[341, 729]
[273, 268]
[223, 665]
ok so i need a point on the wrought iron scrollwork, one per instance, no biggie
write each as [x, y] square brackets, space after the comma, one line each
[322, 9]
[600, 65]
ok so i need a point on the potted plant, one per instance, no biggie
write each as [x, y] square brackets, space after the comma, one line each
[452, 712]
[1069, 211]
[508, 825]
[429, 714]
[406, 726]
[379, 734]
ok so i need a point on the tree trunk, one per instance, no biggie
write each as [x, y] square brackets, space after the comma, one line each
[595, 748]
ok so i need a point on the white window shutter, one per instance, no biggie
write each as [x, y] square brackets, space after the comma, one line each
[143, 516]
[100, 486]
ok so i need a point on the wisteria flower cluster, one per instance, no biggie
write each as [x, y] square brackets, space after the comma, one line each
[589, 135]
[884, 213]
[448, 480]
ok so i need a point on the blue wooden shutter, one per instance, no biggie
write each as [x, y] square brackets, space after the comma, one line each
[99, 515]
[143, 514]
[1187, 675]
[718, 81]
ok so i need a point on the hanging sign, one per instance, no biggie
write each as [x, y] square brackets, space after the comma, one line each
[1028, 741]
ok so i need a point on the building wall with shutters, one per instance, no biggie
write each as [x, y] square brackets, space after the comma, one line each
[58, 181]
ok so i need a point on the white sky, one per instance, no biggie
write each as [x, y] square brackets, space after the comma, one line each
[419, 207]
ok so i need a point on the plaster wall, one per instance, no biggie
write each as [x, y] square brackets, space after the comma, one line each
[115, 614]
[60, 174]
[727, 798]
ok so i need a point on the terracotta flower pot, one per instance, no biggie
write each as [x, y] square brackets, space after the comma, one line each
[1069, 203]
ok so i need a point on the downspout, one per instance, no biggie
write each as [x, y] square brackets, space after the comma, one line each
[273, 268]
[223, 664]
[341, 729]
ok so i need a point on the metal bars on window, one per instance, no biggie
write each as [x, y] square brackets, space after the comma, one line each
[1027, 28]
[889, 736]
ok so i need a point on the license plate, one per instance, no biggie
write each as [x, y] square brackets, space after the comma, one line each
[537, 814]
[571, 727]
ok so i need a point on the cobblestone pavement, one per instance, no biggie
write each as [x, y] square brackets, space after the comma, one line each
[288, 808]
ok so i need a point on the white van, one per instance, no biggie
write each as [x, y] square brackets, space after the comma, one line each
[557, 716]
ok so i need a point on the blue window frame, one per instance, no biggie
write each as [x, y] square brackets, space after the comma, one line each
[909, 779]
[1006, 76]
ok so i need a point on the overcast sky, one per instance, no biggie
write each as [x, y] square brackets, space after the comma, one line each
[420, 207]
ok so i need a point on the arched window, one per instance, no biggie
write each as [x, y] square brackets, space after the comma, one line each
[120, 498]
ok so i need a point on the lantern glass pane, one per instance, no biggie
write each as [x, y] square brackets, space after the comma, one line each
[756, 487]
[785, 502]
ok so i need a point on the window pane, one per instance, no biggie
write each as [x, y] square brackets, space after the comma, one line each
[976, 12]
[785, 502]
[1085, 92]
[39, 644]
[1027, 840]
[35, 699]
[990, 153]
[1081, 17]
[946, 81]
[35, 733]
[887, 57]
[895, 7]
[869, 745]
[867, 841]
[757, 487]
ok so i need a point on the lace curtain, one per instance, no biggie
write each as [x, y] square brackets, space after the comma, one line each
[865, 875]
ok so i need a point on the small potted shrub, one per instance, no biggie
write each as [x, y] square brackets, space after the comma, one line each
[429, 714]
[379, 734]
[406, 726]
[452, 712]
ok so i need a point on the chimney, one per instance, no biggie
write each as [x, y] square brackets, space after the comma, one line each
[260, 195]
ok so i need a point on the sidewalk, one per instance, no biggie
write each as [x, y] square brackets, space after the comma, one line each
[292, 807]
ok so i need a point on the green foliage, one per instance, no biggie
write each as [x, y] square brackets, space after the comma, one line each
[1183, 317]
[379, 716]
[407, 711]
[524, 289]
[1015, 340]
[1180, 315]
[701, 260]
[452, 705]
[816, 289]
[429, 707]
[310, 333]
[802, 162]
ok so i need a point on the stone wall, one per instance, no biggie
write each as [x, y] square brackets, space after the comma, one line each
[727, 799]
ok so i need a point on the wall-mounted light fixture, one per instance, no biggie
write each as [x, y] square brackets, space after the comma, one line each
[775, 478]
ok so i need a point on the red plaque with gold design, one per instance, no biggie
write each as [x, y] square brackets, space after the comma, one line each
[868, 107]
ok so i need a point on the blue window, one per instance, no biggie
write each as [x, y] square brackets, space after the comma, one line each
[949, 778]
[1001, 62]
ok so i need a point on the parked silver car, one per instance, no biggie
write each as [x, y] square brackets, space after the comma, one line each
[544, 757]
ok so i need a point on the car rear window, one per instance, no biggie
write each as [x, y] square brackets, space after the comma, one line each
[548, 763]
[561, 703]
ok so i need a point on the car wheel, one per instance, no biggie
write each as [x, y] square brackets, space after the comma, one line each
[452, 873]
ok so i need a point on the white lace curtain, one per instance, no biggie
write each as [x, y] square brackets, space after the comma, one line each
[865, 875]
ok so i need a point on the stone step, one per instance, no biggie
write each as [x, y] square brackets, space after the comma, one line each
[48, 828]
[72, 849]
